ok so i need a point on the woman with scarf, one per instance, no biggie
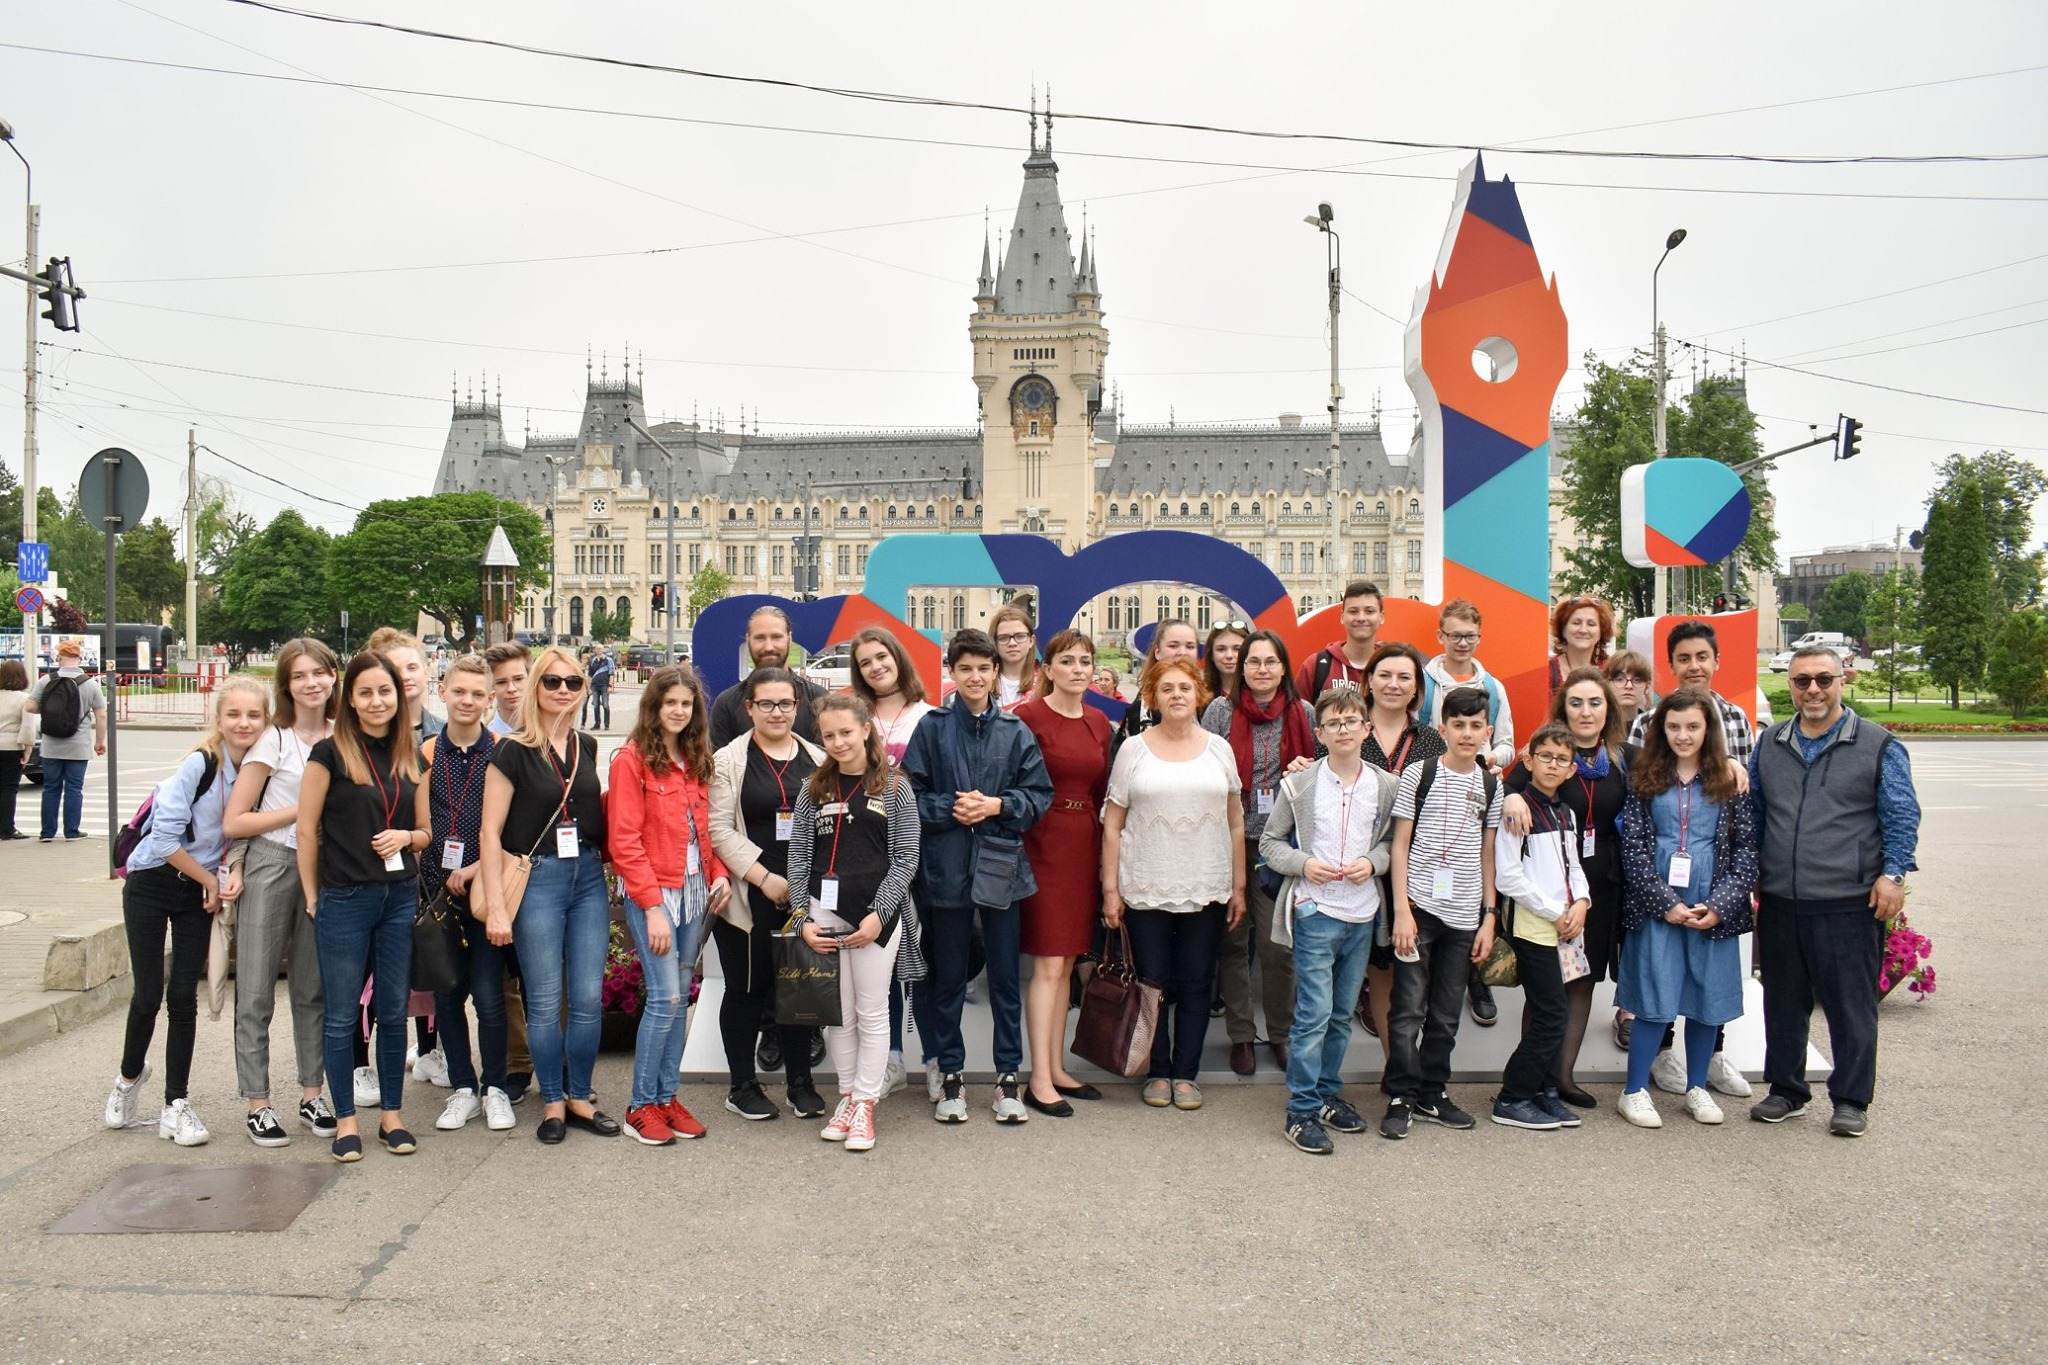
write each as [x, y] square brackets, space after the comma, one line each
[1272, 733]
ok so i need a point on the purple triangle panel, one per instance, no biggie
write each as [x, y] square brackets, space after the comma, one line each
[1481, 452]
[1497, 203]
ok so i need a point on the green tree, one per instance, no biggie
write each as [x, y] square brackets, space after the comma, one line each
[1958, 586]
[599, 628]
[2017, 670]
[274, 588]
[148, 575]
[77, 556]
[1614, 431]
[707, 585]
[622, 620]
[2010, 487]
[413, 556]
[1842, 607]
[1893, 617]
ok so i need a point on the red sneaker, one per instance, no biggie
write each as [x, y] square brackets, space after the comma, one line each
[649, 1124]
[681, 1121]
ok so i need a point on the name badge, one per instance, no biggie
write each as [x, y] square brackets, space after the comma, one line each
[1443, 884]
[1265, 800]
[693, 861]
[1680, 875]
[828, 894]
[783, 823]
[565, 840]
[451, 855]
[1586, 844]
[395, 861]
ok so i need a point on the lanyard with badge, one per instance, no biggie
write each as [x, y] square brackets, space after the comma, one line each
[785, 814]
[1586, 835]
[1443, 882]
[453, 849]
[828, 885]
[394, 861]
[1680, 875]
[565, 832]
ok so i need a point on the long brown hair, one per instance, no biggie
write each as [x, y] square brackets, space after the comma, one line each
[909, 686]
[1610, 737]
[352, 745]
[284, 710]
[876, 781]
[694, 743]
[1656, 771]
[1218, 684]
[1027, 681]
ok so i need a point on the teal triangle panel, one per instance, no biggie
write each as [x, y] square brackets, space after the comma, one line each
[1481, 529]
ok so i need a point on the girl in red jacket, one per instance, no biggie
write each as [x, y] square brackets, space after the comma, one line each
[658, 812]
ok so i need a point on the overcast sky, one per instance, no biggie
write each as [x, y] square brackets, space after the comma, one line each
[826, 280]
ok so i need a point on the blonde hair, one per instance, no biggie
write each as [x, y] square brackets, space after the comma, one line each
[212, 742]
[533, 729]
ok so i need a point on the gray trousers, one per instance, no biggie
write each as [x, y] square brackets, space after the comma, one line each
[1276, 966]
[272, 929]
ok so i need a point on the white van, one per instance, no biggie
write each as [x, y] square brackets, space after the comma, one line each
[1831, 639]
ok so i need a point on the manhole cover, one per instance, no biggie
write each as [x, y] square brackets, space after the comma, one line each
[11, 917]
[200, 1199]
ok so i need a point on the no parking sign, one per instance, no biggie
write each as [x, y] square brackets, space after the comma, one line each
[29, 599]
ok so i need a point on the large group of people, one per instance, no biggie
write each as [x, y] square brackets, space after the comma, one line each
[1359, 837]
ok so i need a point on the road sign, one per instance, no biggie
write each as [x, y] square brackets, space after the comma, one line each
[29, 599]
[32, 562]
[113, 492]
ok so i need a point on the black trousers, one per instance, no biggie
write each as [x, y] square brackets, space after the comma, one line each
[747, 1008]
[1178, 950]
[1828, 956]
[156, 902]
[1533, 1067]
[1428, 996]
[10, 786]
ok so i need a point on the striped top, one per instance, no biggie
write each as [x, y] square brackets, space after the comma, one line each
[1449, 831]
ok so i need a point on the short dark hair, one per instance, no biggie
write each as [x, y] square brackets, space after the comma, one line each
[1818, 652]
[1550, 732]
[1465, 701]
[969, 643]
[1363, 587]
[1341, 698]
[1690, 630]
[505, 654]
[762, 677]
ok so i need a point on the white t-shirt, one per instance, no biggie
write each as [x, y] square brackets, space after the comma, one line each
[1343, 832]
[282, 751]
[1175, 851]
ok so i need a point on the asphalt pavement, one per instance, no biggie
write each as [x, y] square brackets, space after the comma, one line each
[1124, 1233]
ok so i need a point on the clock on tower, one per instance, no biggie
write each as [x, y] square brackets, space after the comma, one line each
[1034, 407]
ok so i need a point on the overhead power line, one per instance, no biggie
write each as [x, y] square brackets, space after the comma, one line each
[1862, 383]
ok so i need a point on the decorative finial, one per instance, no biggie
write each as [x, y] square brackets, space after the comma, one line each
[1048, 118]
[1034, 116]
[586, 364]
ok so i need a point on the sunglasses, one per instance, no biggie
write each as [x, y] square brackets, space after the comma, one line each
[1804, 681]
[1235, 625]
[557, 682]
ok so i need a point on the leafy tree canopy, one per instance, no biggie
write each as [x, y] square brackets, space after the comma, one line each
[413, 556]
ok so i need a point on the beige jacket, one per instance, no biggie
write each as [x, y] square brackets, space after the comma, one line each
[17, 727]
[729, 828]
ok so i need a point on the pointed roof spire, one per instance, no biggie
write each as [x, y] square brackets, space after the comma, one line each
[1037, 273]
[1048, 118]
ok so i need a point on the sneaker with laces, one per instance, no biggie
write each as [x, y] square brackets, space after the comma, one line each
[1394, 1123]
[1523, 1114]
[649, 1126]
[432, 1068]
[860, 1129]
[934, 1080]
[462, 1106]
[750, 1103]
[1722, 1076]
[894, 1077]
[120, 1111]
[369, 1091]
[1638, 1108]
[805, 1101]
[1667, 1073]
[265, 1130]
[835, 1127]
[952, 1105]
[318, 1116]
[1700, 1104]
[1307, 1135]
[498, 1110]
[1440, 1110]
[1551, 1103]
[1339, 1117]
[1850, 1121]
[180, 1124]
[1776, 1109]
[1009, 1100]
[681, 1121]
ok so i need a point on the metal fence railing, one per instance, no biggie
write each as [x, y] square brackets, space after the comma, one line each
[161, 697]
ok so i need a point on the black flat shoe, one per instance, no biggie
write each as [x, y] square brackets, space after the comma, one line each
[397, 1141]
[551, 1131]
[348, 1148]
[1577, 1098]
[597, 1121]
[1083, 1091]
[1058, 1109]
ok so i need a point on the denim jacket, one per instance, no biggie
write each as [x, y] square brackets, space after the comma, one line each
[994, 753]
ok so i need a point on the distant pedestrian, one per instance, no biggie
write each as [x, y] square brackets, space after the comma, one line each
[597, 702]
[17, 739]
[73, 708]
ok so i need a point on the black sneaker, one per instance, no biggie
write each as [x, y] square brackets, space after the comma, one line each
[1307, 1135]
[316, 1115]
[1484, 1012]
[805, 1101]
[749, 1103]
[1850, 1120]
[1339, 1116]
[1441, 1110]
[1394, 1123]
[517, 1084]
[768, 1056]
[266, 1131]
[1776, 1108]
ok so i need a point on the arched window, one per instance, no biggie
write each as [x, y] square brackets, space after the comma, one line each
[1202, 614]
[1181, 607]
[1380, 507]
[892, 511]
[1358, 508]
[863, 513]
[842, 513]
[977, 511]
[1286, 509]
[575, 616]
[695, 513]
[778, 514]
[1414, 506]
[1131, 612]
[1183, 509]
[1112, 509]
[1116, 613]
[931, 613]
[1205, 509]
[1235, 509]
[930, 511]
[622, 610]
[959, 612]
[750, 514]
[1165, 608]
[732, 514]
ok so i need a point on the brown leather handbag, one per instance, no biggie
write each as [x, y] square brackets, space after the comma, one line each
[1119, 1013]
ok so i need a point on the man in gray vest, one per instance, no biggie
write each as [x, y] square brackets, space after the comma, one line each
[1837, 820]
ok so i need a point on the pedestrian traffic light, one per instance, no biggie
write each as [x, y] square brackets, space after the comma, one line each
[1848, 437]
[1720, 602]
[60, 294]
[660, 597]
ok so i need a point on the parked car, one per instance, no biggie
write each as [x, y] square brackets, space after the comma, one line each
[832, 670]
[1781, 661]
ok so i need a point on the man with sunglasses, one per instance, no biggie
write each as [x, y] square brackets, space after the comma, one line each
[1343, 663]
[1837, 823]
[767, 647]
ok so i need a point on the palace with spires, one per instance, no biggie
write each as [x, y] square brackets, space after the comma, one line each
[1049, 456]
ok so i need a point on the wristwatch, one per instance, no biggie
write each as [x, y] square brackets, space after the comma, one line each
[1895, 878]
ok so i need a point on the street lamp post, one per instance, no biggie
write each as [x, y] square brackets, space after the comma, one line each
[1657, 589]
[1323, 220]
[28, 392]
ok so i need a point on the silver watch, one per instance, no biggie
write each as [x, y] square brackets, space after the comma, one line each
[1896, 879]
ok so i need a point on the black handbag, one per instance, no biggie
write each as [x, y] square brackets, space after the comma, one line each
[806, 982]
[438, 959]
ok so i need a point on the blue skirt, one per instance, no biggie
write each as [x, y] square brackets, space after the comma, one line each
[1672, 973]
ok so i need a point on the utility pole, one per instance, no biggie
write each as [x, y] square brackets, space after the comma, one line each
[1324, 220]
[191, 550]
[1677, 235]
[29, 653]
[1891, 673]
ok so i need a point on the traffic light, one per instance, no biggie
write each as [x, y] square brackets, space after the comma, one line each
[1720, 602]
[660, 597]
[59, 293]
[1848, 437]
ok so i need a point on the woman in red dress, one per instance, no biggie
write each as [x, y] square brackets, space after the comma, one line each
[1059, 921]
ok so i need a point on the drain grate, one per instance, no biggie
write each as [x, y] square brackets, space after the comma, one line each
[200, 1199]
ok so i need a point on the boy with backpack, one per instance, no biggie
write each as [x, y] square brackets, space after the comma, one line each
[74, 712]
[1445, 812]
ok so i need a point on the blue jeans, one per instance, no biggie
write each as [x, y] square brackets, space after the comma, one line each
[1330, 956]
[483, 981]
[658, 1047]
[64, 778]
[561, 933]
[949, 947]
[361, 931]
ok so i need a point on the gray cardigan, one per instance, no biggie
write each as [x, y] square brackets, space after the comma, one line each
[1294, 807]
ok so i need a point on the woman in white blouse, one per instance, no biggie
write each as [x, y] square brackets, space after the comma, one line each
[1173, 867]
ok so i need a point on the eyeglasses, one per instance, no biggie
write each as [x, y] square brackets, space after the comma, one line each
[1551, 757]
[1013, 638]
[1815, 681]
[1463, 637]
[1260, 664]
[773, 708]
[556, 682]
[1342, 725]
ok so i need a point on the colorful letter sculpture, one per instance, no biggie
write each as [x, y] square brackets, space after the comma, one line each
[1681, 513]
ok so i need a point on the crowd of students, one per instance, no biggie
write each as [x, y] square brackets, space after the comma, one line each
[1364, 835]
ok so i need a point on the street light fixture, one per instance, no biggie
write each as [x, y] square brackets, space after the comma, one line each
[1324, 221]
[1677, 235]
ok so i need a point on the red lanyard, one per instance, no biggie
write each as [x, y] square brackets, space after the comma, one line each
[1450, 834]
[397, 787]
[470, 786]
[777, 773]
[1587, 787]
[845, 795]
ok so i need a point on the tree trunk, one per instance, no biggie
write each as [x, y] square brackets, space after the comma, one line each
[1955, 696]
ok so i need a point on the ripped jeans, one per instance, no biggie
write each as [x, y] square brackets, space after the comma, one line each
[658, 1048]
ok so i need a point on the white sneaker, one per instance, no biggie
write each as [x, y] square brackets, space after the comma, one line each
[368, 1090]
[432, 1067]
[181, 1125]
[412, 1055]
[497, 1110]
[1009, 1101]
[1722, 1076]
[894, 1077]
[1638, 1108]
[934, 1081]
[462, 1106]
[1701, 1105]
[1668, 1073]
[121, 1099]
